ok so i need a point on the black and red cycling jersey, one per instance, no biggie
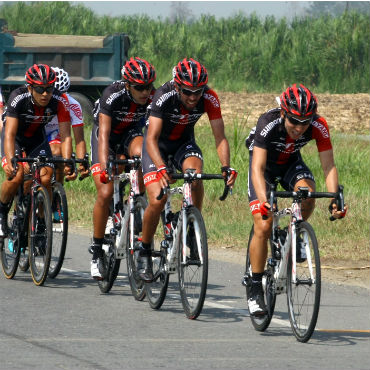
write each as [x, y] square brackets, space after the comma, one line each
[117, 103]
[270, 134]
[178, 122]
[32, 118]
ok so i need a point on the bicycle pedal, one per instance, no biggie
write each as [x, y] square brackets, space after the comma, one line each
[245, 281]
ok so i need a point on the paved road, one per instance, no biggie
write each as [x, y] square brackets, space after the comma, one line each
[68, 324]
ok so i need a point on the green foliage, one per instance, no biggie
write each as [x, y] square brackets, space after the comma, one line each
[325, 52]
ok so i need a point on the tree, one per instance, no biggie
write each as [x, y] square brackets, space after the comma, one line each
[336, 8]
[181, 12]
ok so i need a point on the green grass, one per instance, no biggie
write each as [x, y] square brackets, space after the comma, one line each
[326, 53]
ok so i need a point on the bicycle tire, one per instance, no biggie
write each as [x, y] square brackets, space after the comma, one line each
[113, 265]
[60, 229]
[193, 274]
[261, 323]
[156, 290]
[137, 286]
[40, 241]
[10, 245]
[303, 297]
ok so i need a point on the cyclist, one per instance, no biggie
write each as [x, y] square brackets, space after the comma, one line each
[27, 111]
[274, 151]
[177, 106]
[117, 130]
[62, 84]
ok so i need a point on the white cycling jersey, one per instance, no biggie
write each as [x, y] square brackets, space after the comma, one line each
[75, 111]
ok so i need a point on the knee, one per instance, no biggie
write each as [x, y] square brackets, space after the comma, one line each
[262, 230]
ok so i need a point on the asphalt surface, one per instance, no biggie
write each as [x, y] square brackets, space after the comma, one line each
[69, 324]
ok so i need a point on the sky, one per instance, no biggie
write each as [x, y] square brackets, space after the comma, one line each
[219, 9]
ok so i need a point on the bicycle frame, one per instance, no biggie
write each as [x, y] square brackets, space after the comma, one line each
[118, 205]
[173, 240]
[295, 214]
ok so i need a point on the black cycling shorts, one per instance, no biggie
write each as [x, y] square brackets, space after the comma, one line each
[289, 173]
[179, 154]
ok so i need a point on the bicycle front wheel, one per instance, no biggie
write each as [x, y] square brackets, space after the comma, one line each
[260, 323]
[60, 229]
[10, 246]
[40, 236]
[304, 294]
[137, 286]
[193, 264]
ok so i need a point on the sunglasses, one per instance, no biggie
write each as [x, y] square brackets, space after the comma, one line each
[188, 92]
[143, 87]
[41, 90]
[296, 122]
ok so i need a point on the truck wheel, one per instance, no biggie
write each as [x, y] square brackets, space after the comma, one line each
[86, 105]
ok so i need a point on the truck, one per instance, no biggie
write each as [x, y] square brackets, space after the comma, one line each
[92, 62]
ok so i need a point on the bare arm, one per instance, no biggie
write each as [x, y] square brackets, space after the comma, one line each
[330, 171]
[258, 173]
[11, 129]
[78, 133]
[154, 130]
[105, 124]
[331, 178]
[222, 145]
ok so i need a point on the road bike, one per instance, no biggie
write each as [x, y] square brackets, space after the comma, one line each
[29, 240]
[59, 207]
[182, 247]
[300, 280]
[127, 213]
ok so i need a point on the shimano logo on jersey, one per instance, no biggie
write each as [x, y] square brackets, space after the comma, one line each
[164, 97]
[212, 99]
[16, 100]
[269, 127]
[62, 99]
[322, 129]
[114, 96]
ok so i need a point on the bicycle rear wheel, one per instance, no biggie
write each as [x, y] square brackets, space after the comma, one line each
[137, 286]
[260, 323]
[113, 265]
[304, 295]
[193, 266]
[10, 246]
[156, 290]
[60, 229]
[24, 263]
[40, 236]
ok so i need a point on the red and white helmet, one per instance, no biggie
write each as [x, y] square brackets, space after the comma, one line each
[191, 73]
[40, 74]
[137, 71]
[298, 101]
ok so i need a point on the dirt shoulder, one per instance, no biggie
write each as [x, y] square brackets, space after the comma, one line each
[338, 272]
[346, 113]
